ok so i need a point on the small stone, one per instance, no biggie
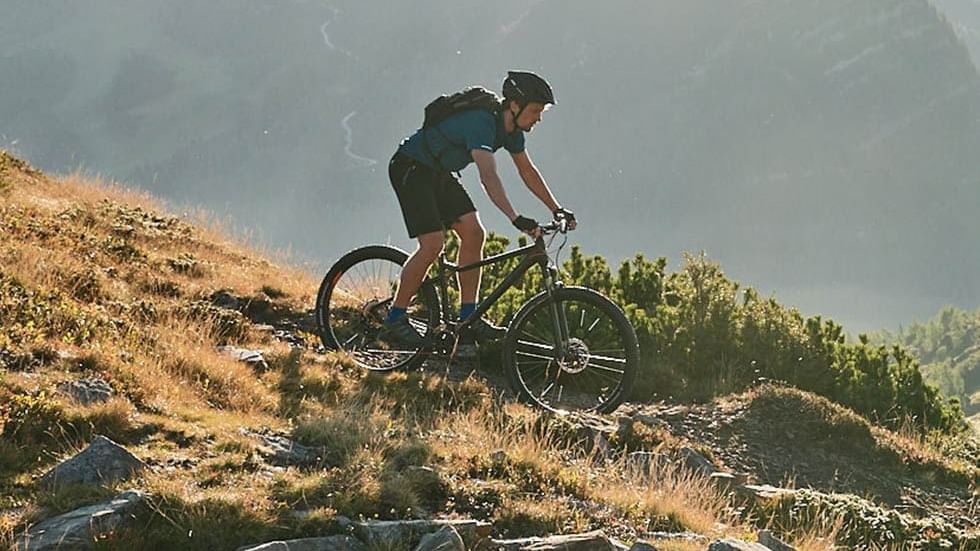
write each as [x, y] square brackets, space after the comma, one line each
[87, 391]
[764, 491]
[251, 357]
[723, 480]
[283, 452]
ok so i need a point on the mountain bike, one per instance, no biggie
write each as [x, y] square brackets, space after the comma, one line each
[566, 348]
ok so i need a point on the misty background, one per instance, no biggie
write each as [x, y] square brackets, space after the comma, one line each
[825, 152]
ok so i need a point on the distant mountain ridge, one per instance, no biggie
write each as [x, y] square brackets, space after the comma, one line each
[798, 144]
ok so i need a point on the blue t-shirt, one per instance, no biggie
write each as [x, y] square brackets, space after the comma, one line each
[466, 131]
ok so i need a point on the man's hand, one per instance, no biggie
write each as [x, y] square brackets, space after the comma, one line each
[567, 215]
[527, 225]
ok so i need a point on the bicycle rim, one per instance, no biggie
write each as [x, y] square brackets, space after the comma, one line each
[357, 299]
[600, 359]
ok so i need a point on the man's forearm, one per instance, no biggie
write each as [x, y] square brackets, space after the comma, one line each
[495, 190]
[535, 183]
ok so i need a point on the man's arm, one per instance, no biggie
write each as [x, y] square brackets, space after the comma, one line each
[534, 181]
[487, 166]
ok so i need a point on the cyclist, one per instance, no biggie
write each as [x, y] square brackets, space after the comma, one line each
[432, 199]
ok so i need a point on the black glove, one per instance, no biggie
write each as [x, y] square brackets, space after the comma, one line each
[568, 215]
[525, 224]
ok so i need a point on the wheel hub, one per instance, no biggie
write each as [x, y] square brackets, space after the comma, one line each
[375, 311]
[576, 357]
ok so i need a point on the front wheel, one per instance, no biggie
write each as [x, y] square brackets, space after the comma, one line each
[353, 302]
[571, 350]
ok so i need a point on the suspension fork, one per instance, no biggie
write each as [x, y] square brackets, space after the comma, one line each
[552, 283]
[444, 288]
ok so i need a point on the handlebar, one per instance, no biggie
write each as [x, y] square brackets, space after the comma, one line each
[558, 226]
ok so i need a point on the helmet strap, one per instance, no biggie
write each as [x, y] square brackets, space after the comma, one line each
[523, 106]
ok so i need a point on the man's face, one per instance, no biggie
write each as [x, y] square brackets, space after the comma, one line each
[530, 116]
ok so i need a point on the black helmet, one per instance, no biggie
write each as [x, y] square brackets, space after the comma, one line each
[525, 86]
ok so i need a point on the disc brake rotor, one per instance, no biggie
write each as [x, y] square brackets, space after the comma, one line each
[576, 357]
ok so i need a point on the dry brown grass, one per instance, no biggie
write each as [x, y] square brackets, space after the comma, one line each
[182, 403]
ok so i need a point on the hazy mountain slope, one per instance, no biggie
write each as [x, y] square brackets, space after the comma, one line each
[824, 151]
[964, 16]
[948, 348]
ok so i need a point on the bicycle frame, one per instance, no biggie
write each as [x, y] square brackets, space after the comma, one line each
[534, 254]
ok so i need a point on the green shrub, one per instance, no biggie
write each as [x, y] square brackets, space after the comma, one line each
[701, 335]
[863, 525]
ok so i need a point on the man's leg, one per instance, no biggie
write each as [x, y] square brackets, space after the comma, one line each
[413, 272]
[471, 237]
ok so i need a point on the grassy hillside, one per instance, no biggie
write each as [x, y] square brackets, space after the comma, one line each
[97, 281]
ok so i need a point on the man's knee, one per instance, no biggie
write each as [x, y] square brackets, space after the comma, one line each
[431, 245]
[470, 231]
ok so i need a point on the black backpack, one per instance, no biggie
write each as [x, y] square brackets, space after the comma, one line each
[445, 106]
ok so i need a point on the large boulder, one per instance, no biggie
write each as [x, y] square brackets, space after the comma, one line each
[102, 462]
[80, 528]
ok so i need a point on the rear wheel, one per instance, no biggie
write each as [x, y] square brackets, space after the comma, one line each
[595, 364]
[353, 302]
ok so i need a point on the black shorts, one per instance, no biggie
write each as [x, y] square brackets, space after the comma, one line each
[431, 201]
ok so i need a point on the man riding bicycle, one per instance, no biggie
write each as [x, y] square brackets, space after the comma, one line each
[432, 199]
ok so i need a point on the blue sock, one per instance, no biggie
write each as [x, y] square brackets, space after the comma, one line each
[394, 314]
[466, 310]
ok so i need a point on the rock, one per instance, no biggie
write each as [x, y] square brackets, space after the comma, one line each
[677, 536]
[764, 491]
[696, 462]
[386, 531]
[650, 421]
[224, 299]
[332, 543]
[768, 539]
[446, 539]
[735, 545]
[251, 357]
[642, 546]
[589, 541]
[724, 481]
[79, 528]
[87, 391]
[292, 339]
[102, 461]
[283, 452]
